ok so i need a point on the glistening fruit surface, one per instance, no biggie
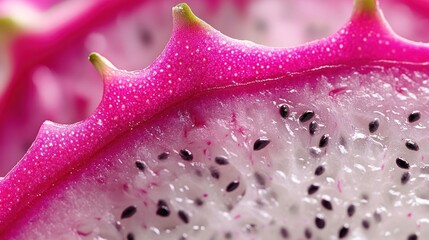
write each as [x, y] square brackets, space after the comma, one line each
[362, 97]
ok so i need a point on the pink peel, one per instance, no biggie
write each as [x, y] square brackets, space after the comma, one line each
[196, 59]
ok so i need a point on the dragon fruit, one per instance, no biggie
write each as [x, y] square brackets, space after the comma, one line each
[180, 149]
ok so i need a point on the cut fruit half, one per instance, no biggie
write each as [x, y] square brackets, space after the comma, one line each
[226, 139]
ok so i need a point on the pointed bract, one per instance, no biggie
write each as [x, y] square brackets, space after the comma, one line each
[103, 66]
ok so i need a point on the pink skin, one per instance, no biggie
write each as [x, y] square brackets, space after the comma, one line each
[189, 65]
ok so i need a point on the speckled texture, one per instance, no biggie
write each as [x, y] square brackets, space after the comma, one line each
[196, 59]
[273, 181]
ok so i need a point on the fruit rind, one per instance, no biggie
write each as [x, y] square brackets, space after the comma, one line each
[103, 66]
[366, 6]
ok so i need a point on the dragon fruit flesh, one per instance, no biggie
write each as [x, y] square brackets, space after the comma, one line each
[227, 139]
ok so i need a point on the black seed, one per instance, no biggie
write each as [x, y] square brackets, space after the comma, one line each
[351, 210]
[365, 224]
[186, 155]
[405, 177]
[182, 238]
[163, 209]
[130, 236]
[307, 233]
[414, 116]
[411, 145]
[319, 170]
[284, 232]
[344, 230]
[312, 128]
[284, 110]
[228, 235]
[307, 115]
[313, 188]
[232, 186]
[373, 125]
[251, 228]
[198, 202]
[198, 173]
[343, 142]
[183, 216]
[140, 165]
[261, 143]
[324, 140]
[412, 237]
[365, 197]
[221, 160]
[214, 173]
[320, 222]
[377, 216]
[402, 163]
[128, 212]
[326, 204]
[260, 179]
[163, 156]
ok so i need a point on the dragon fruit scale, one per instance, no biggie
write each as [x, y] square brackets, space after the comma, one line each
[226, 139]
